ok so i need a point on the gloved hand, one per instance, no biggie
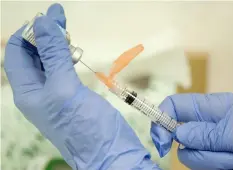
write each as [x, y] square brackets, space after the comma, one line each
[208, 135]
[86, 129]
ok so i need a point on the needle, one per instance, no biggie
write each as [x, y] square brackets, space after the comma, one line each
[87, 66]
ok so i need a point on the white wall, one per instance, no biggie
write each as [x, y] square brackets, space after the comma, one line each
[107, 26]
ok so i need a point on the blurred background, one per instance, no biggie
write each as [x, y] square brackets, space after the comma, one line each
[188, 48]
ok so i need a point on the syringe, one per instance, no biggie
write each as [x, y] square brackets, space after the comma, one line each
[128, 96]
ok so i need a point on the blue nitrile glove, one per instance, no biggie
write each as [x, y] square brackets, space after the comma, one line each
[208, 137]
[85, 128]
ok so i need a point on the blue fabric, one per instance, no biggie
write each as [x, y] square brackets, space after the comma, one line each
[207, 132]
[85, 128]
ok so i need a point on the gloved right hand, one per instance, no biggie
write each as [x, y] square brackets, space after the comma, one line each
[207, 133]
[85, 128]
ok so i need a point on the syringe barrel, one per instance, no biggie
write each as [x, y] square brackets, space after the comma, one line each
[145, 107]
[28, 35]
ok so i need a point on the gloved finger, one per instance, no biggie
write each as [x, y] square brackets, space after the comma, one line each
[189, 107]
[201, 107]
[202, 160]
[160, 136]
[207, 136]
[62, 81]
[197, 135]
[22, 47]
[57, 13]
[21, 64]
[52, 47]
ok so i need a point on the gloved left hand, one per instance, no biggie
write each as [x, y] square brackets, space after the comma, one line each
[85, 128]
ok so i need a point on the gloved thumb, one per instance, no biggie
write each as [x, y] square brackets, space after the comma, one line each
[205, 136]
[52, 46]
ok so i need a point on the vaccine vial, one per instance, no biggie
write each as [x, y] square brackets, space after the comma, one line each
[28, 35]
